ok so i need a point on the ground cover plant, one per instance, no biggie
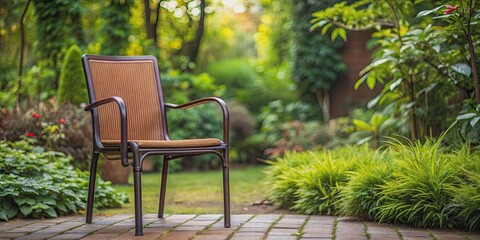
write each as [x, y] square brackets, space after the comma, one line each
[419, 184]
[36, 183]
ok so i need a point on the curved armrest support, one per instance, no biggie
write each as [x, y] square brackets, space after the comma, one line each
[220, 102]
[123, 124]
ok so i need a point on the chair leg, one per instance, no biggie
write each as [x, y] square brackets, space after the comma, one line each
[163, 187]
[226, 189]
[137, 188]
[137, 185]
[91, 186]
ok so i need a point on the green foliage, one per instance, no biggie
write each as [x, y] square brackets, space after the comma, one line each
[38, 183]
[319, 185]
[316, 60]
[417, 60]
[236, 75]
[58, 27]
[115, 27]
[72, 87]
[197, 122]
[418, 184]
[420, 192]
[64, 128]
[281, 177]
[310, 182]
[360, 196]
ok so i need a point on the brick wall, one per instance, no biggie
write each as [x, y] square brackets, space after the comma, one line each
[343, 96]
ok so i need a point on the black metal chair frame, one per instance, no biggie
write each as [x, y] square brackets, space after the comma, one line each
[139, 154]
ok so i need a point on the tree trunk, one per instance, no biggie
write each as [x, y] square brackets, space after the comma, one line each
[473, 63]
[151, 25]
[193, 50]
[323, 100]
[22, 51]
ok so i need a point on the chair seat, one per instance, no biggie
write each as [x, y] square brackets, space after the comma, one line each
[187, 143]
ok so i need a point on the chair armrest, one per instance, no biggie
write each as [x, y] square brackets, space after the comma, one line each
[220, 102]
[123, 124]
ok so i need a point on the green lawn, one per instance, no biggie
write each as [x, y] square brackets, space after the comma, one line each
[199, 192]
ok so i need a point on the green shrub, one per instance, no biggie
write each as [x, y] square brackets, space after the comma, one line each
[418, 184]
[38, 183]
[311, 181]
[281, 176]
[63, 127]
[72, 87]
[420, 192]
[235, 74]
[360, 196]
[466, 202]
[319, 186]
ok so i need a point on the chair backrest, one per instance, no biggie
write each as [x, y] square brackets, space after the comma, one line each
[136, 80]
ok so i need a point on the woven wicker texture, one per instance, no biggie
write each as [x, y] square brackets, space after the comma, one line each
[135, 82]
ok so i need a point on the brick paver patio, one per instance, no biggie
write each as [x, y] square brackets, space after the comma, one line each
[210, 227]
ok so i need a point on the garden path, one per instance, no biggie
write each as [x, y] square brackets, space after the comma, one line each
[210, 227]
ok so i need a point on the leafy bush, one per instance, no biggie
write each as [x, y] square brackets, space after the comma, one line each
[72, 87]
[197, 122]
[235, 74]
[65, 128]
[38, 183]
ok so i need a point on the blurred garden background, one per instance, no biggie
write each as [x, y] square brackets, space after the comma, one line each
[366, 108]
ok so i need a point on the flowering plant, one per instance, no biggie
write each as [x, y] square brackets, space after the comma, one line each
[64, 128]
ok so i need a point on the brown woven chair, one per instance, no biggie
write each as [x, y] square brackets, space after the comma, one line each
[129, 121]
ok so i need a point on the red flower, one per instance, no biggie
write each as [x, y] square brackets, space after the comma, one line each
[30, 134]
[36, 115]
[449, 9]
[62, 121]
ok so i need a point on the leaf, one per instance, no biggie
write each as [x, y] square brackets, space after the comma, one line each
[325, 28]
[49, 201]
[30, 201]
[334, 34]
[362, 125]
[466, 116]
[360, 81]
[462, 68]
[62, 207]
[372, 103]
[425, 13]
[396, 84]
[26, 210]
[51, 212]
[3, 215]
[474, 121]
[377, 120]
[69, 192]
[12, 212]
[20, 201]
[71, 206]
[371, 81]
[342, 33]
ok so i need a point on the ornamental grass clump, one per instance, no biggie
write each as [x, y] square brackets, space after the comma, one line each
[360, 195]
[36, 183]
[282, 174]
[466, 201]
[421, 189]
[318, 188]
